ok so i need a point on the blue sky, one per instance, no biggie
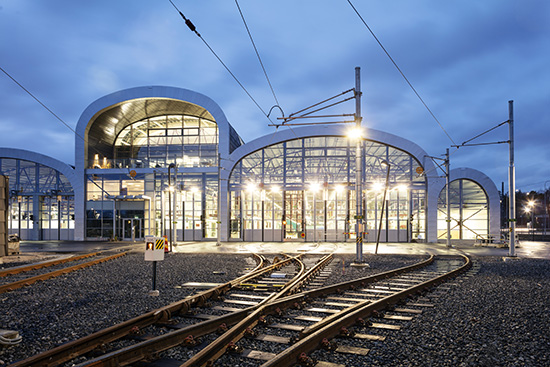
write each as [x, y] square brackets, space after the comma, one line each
[466, 59]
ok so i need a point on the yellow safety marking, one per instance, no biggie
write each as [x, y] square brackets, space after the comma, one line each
[159, 244]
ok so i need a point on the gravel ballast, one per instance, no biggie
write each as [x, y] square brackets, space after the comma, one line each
[500, 316]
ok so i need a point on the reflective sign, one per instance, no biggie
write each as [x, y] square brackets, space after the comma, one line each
[154, 248]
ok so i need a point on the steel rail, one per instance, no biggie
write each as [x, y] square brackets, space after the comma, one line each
[145, 349]
[217, 348]
[185, 335]
[75, 348]
[44, 264]
[52, 274]
[329, 330]
[190, 333]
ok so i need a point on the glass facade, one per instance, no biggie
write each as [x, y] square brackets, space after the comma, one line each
[187, 141]
[153, 156]
[129, 207]
[469, 211]
[305, 189]
[41, 201]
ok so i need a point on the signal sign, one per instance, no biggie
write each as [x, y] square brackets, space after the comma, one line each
[154, 248]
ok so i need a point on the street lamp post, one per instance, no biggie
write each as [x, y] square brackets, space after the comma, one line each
[533, 223]
[170, 189]
[531, 208]
[545, 207]
[512, 182]
[387, 165]
[358, 171]
[219, 206]
[447, 196]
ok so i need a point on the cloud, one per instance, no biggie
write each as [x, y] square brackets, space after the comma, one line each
[466, 60]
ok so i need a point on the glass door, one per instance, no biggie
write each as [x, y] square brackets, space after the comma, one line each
[132, 230]
[293, 216]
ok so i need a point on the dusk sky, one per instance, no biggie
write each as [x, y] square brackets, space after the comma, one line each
[466, 59]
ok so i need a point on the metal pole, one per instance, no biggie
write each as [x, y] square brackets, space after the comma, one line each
[358, 169]
[382, 211]
[170, 188]
[545, 207]
[58, 218]
[154, 275]
[447, 197]
[533, 222]
[174, 208]
[512, 181]
[314, 217]
[114, 219]
[219, 218]
[169, 213]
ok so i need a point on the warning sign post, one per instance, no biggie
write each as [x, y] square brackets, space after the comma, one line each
[154, 251]
[154, 248]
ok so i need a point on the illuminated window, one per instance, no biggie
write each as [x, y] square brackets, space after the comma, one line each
[158, 141]
[469, 211]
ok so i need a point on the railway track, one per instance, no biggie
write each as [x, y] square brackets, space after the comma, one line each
[21, 276]
[289, 329]
[277, 315]
[265, 277]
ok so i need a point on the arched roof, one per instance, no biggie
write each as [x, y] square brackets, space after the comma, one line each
[106, 117]
[470, 174]
[481, 179]
[332, 130]
[42, 159]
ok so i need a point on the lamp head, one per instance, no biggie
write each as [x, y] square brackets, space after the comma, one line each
[355, 133]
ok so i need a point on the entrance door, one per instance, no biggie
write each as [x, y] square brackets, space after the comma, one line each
[293, 225]
[132, 229]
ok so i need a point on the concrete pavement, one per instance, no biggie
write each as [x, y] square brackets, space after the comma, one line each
[525, 249]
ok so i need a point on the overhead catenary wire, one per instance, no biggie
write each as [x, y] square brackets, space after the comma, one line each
[48, 109]
[401, 72]
[51, 112]
[258, 55]
[40, 102]
[193, 29]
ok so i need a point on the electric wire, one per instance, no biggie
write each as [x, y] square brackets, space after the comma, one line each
[48, 109]
[40, 102]
[258, 55]
[51, 112]
[400, 71]
[194, 30]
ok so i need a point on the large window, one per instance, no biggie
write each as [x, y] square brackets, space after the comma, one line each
[305, 189]
[158, 141]
[469, 211]
[41, 201]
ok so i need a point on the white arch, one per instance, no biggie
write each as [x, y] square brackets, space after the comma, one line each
[104, 103]
[42, 159]
[37, 158]
[482, 180]
[310, 132]
[333, 130]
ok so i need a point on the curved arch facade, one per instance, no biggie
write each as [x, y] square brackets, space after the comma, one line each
[126, 146]
[41, 195]
[299, 184]
[161, 160]
[475, 206]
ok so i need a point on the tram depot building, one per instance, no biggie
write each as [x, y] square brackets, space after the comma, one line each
[149, 159]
